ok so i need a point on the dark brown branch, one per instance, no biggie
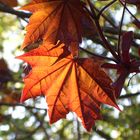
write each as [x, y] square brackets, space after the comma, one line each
[129, 95]
[105, 17]
[114, 31]
[106, 7]
[78, 130]
[102, 134]
[100, 32]
[20, 14]
[123, 4]
[23, 15]
[22, 105]
[120, 30]
[96, 55]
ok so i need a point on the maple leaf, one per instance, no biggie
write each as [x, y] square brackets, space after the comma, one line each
[56, 20]
[69, 84]
[11, 3]
[126, 65]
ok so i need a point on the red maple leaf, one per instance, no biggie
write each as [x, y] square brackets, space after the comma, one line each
[126, 65]
[56, 20]
[69, 84]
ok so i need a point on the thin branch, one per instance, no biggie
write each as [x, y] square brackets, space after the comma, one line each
[78, 130]
[102, 134]
[22, 105]
[129, 11]
[134, 44]
[46, 133]
[105, 8]
[129, 95]
[23, 15]
[120, 28]
[96, 55]
[106, 43]
[5, 8]
[105, 17]
[114, 31]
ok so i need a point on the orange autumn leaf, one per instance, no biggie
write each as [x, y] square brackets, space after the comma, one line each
[55, 20]
[11, 3]
[69, 84]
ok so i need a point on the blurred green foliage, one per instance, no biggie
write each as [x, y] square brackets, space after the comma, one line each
[30, 121]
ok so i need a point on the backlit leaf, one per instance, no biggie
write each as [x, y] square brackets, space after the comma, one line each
[69, 84]
[56, 20]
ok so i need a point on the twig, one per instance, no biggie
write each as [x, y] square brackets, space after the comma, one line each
[105, 8]
[114, 31]
[120, 29]
[129, 95]
[46, 133]
[96, 55]
[106, 18]
[22, 105]
[129, 11]
[102, 134]
[78, 130]
[10, 10]
[106, 44]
